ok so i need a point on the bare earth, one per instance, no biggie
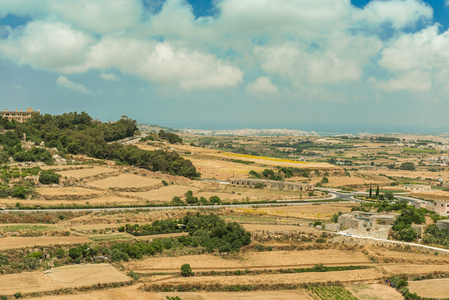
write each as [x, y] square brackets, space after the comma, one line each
[163, 194]
[75, 191]
[375, 292]
[105, 200]
[20, 242]
[431, 288]
[269, 227]
[253, 260]
[86, 172]
[58, 278]
[125, 181]
[133, 293]
[311, 211]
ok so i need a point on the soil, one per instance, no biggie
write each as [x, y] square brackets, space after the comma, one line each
[21, 242]
[125, 181]
[375, 292]
[431, 288]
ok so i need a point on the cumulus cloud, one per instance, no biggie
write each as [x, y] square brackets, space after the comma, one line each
[310, 44]
[411, 81]
[399, 13]
[49, 46]
[262, 86]
[108, 76]
[67, 83]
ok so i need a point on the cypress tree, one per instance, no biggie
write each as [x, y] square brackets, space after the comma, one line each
[377, 191]
[370, 191]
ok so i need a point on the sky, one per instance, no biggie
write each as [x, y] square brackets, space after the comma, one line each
[324, 65]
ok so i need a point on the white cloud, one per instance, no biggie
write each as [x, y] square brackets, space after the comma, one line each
[67, 83]
[426, 49]
[399, 13]
[311, 44]
[48, 46]
[411, 81]
[262, 86]
[108, 76]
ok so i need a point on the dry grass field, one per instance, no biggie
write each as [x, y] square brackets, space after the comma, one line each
[431, 288]
[22, 242]
[312, 211]
[375, 292]
[66, 192]
[250, 260]
[353, 180]
[432, 195]
[163, 194]
[125, 181]
[133, 293]
[59, 278]
[100, 201]
[277, 228]
[343, 277]
[86, 172]
[223, 196]
[410, 174]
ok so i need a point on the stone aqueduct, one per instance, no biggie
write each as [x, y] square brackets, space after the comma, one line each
[273, 184]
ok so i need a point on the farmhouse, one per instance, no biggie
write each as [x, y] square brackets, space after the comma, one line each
[272, 184]
[440, 207]
[367, 223]
[20, 116]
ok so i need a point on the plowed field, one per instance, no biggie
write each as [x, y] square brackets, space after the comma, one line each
[125, 181]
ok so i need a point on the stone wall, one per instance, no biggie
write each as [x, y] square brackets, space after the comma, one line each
[273, 184]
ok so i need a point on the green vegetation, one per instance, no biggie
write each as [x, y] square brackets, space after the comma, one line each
[172, 138]
[75, 133]
[186, 270]
[331, 292]
[208, 231]
[407, 166]
[417, 150]
[49, 177]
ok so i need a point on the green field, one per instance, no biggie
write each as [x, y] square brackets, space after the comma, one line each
[416, 150]
[331, 293]
[109, 238]
[24, 227]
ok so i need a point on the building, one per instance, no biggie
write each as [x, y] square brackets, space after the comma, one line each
[367, 223]
[273, 184]
[20, 116]
[443, 224]
[417, 188]
[440, 207]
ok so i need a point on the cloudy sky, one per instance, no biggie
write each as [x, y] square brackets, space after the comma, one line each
[323, 65]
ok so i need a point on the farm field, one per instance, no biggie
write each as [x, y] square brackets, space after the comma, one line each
[271, 279]
[336, 181]
[163, 194]
[269, 227]
[101, 201]
[66, 192]
[133, 292]
[432, 195]
[86, 172]
[21, 242]
[375, 292]
[125, 181]
[312, 211]
[58, 278]
[430, 288]
[251, 260]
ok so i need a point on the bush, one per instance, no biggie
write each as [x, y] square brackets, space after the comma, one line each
[30, 263]
[3, 260]
[214, 199]
[49, 177]
[186, 270]
[60, 253]
[118, 255]
[18, 295]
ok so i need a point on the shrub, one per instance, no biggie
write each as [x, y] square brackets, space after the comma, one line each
[18, 295]
[60, 253]
[118, 255]
[30, 263]
[186, 270]
[49, 177]
[214, 199]
[3, 260]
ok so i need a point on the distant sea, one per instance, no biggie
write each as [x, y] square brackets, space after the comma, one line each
[326, 129]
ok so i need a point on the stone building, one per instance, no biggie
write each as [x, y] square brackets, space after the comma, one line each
[20, 116]
[367, 223]
[273, 184]
[441, 207]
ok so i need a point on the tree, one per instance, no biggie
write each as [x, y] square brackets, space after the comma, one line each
[324, 180]
[370, 191]
[377, 191]
[407, 166]
[186, 270]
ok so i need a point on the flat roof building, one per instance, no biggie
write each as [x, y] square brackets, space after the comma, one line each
[20, 116]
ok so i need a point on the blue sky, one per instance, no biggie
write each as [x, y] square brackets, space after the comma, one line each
[323, 65]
